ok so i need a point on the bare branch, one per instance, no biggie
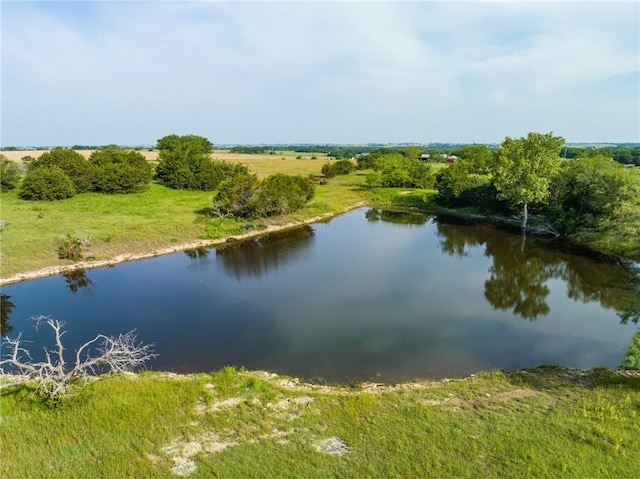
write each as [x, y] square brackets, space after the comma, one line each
[53, 378]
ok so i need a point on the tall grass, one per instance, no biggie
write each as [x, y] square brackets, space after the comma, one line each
[538, 423]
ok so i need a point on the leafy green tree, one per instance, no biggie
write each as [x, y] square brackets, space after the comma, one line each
[236, 196]
[459, 185]
[46, 183]
[477, 157]
[339, 167]
[120, 171]
[280, 194]
[209, 174]
[524, 167]
[9, 173]
[399, 171]
[72, 163]
[587, 190]
[184, 162]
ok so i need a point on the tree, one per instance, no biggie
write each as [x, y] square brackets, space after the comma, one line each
[46, 183]
[184, 162]
[120, 171]
[280, 194]
[56, 378]
[399, 171]
[335, 168]
[587, 190]
[236, 196]
[72, 163]
[523, 169]
[9, 173]
[478, 157]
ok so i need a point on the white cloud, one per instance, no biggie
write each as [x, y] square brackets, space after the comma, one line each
[314, 71]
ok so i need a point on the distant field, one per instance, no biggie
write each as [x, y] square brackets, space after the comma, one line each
[262, 164]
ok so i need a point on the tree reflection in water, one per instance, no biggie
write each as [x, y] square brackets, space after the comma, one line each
[521, 270]
[77, 280]
[256, 257]
[6, 308]
[197, 253]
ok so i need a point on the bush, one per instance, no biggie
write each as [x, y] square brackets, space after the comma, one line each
[280, 193]
[209, 174]
[71, 247]
[9, 174]
[244, 196]
[120, 171]
[184, 163]
[236, 196]
[46, 183]
[72, 163]
[399, 171]
[335, 168]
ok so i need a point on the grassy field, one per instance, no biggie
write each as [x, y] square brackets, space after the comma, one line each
[540, 423]
[161, 217]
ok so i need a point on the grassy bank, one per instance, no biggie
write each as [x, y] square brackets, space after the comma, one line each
[162, 218]
[137, 223]
[547, 422]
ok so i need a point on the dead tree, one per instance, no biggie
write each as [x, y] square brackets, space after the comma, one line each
[57, 379]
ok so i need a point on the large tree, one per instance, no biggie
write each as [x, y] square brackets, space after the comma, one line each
[523, 169]
[184, 162]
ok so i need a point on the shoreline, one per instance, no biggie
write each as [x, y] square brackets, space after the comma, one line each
[126, 257]
[207, 243]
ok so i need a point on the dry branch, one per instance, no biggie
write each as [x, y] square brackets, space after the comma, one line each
[54, 377]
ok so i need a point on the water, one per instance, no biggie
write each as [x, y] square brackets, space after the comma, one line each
[371, 294]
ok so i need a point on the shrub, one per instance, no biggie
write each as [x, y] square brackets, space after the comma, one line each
[72, 163]
[9, 173]
[399, 171]
[236, 196]
[46, 183]
[120, 171]
[280, 193]
[71, 247]
[184, 163]
[244, 196]
[335, 168]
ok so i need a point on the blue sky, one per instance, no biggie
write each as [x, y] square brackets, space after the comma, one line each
[318, 72]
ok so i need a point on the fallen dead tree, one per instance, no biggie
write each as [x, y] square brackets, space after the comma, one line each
[56, 378]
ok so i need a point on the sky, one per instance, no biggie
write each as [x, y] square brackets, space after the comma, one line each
[103, 72]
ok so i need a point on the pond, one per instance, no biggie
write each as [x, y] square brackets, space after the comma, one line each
[372, 294]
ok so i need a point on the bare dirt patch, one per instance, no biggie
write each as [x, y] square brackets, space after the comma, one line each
[333, 445]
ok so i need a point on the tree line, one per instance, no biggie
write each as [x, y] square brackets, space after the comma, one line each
[583, 196]
[184, 162]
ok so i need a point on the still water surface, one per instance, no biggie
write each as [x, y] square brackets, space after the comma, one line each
[371, 294]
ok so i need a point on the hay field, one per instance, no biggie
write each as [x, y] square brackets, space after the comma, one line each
[262, 165]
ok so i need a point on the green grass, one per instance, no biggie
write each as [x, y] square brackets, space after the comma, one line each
[138, 223]
[548, 422]
[115, 224]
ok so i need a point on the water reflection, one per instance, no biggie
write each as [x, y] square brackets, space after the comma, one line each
[77, 280]
[397, 217]
[256, 257]
[364, 294]
[197, 253]
[6, 308]
[522, 268]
